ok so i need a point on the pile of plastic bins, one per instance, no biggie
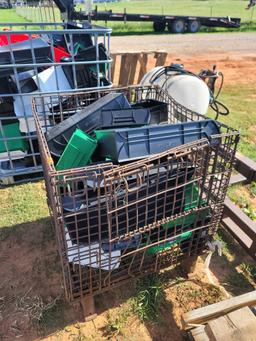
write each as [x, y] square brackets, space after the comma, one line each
[48, 58]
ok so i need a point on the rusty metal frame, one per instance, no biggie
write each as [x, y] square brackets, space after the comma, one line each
[113, 222]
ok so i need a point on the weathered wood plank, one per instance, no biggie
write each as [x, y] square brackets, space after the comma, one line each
[134, 62]
[240, 218]
[246, 166]
[237, 178]
[113, 66]
[199, 334]
[160, 58]
[202, 315]
[126, 70]
[239, 325]
[123, 74]
[143, 59]
[249, 244]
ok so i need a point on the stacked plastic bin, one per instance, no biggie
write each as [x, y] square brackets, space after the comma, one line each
[136, 183]
[43, 59]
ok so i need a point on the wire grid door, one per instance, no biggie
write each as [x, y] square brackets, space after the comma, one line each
[48, 58]
[118, 222]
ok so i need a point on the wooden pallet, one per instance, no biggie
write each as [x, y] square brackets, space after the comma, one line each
[229, 320]
[128, 68]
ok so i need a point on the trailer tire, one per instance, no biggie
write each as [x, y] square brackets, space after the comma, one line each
[159, 26]
[177, 26]
[193, 26]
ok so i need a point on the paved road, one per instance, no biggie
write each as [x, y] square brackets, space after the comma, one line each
[189, 44]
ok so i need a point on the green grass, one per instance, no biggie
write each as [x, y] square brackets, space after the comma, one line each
[9, 16]
[240, 99]
[149, 297]
[233, 8]
[23, 204]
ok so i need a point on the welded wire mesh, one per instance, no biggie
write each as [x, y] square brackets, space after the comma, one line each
[117, 222]
[43, 58]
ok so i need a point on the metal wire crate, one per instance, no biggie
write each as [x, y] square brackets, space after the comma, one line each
[114, 223]
[43, 58]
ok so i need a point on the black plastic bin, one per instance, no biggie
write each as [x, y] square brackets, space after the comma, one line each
[121, 145]
[86, 74]
[22, 53]
[90, 229]
[158, 110]
[87, 120]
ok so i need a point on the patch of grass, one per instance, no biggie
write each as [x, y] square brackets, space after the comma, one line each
[250, 270]
[23, 203]
[240, 99]
[149, 297]
[232, 8]
[237, 283]
[191, 295]
[253, 189]
[10, 16]
[117, 322]
[243, 196]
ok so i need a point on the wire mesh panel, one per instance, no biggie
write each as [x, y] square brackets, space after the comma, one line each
[43, 58]
[114, 222]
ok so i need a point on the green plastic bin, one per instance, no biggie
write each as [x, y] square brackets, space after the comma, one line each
[78, 151]
[191, 201]
[10, 131]
[167, 245]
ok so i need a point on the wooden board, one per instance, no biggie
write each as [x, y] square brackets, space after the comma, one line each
[239, 325]
[133, 65]
[199, 334]
[202, 315]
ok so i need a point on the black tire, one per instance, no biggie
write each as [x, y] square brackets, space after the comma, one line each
[177, 26]
[159, 26]
[193, 26]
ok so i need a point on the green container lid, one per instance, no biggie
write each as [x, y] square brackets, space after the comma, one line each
[167, 245]
[12, 130]
[77, 152]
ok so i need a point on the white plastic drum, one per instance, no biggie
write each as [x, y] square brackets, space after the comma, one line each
[187, 90]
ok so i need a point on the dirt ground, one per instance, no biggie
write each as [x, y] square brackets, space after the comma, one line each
[32, 305]
[233, 53]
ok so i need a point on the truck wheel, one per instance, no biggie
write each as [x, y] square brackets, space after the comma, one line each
[177, 26]
[193, 26]
[159, 26]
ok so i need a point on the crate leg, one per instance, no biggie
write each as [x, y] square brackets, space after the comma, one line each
[9, 180]
[88, 308]
[188, 265]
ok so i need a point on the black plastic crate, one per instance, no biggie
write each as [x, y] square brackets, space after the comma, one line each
[158, 110]
[87, 120]
[121, 145]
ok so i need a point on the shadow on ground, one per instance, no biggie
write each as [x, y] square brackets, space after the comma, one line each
[32, 302]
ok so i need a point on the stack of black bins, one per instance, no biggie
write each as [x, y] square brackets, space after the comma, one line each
[147, 195]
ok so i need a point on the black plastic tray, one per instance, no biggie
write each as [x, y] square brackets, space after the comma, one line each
[121, 145]
[23, 55]
[124, 118]
[86, 120]
[158, 110]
